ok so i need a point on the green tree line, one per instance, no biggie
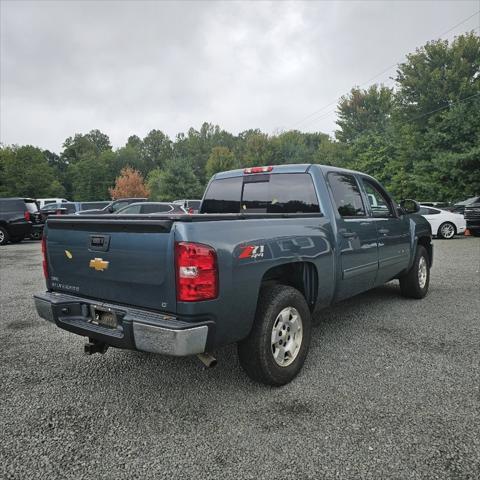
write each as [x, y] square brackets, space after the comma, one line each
[420, 138]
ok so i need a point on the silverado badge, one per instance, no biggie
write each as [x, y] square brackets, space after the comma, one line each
[99, 264]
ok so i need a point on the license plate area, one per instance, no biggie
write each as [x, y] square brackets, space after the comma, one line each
[103, 316]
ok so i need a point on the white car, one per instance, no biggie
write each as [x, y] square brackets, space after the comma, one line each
[45, 201]
[444, 224]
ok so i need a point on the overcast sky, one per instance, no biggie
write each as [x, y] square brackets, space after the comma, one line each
[129, 67]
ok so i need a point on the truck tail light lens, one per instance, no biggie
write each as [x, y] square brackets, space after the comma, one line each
[27, 215]
[44, 257]
[258, 169]
[197, 273]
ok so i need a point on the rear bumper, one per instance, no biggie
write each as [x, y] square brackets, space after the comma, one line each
[137, 329]
[473, 224]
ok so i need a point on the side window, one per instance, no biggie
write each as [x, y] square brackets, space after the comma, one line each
[223, 196]
[432, 211]
[423, 211]
[280, 193]
[346, 194]
[379, 202]
[156, 208]
[118, 205]
[133, 209]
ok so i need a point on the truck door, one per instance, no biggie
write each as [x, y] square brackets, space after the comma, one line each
[357, 236]
[392, 230]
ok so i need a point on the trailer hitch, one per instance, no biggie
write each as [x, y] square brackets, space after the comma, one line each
[93, 346]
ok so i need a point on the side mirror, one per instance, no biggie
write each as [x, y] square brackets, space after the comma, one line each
[410, 206]
[110, 209]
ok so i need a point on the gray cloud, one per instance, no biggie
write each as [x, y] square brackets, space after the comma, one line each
[127, 67]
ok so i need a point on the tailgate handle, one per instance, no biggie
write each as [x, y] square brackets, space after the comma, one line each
[99, 243]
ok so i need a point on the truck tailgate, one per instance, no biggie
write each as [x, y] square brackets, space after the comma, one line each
[126, 261]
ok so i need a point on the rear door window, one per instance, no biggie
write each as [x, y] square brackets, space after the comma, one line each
[346, 195]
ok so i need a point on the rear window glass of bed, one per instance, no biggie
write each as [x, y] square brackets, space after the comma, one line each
[276, 193]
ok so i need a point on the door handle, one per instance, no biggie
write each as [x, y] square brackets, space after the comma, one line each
[348, 234]
[383, 231]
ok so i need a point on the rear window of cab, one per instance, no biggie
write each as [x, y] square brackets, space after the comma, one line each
[262, 193]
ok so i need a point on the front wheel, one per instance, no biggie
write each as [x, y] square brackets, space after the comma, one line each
[446, 230]
[4, 237]
[414, 284]
[277, 346]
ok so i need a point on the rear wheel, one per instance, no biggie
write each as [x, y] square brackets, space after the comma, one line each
[414, 284]
[277, 346]
[446, 230]
[4, 236]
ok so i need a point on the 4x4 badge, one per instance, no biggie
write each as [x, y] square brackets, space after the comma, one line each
[99, 264]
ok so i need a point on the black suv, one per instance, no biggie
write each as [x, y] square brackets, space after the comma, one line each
[472, 217]
[19, 218]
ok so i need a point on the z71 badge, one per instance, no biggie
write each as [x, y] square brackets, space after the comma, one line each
[252, 251]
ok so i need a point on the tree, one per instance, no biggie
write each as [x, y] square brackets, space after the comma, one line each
[129, 184]
[364, 111]
[25, 172]
[92, 175]
[220, 159]
[155, 150]
[175, 182]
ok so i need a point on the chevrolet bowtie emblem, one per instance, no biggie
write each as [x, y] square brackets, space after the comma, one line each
[98, 264]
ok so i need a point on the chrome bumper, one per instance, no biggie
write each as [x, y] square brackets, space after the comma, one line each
[138, 329]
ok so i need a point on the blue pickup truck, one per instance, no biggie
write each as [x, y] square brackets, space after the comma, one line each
[270, 247]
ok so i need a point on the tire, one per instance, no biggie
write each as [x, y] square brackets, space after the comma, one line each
[475, 233]
[36, 235]
[266, 362]
[414, 284]
[4, 236]
[446, 230]
[16, 239]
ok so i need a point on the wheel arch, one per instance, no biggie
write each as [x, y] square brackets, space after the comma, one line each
[301, 275]
[443, 223]
[426, 242]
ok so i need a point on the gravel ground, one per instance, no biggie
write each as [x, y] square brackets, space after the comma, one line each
[390, 389]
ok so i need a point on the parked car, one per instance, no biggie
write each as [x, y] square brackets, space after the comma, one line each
[47, 201]
[459, 207]
[112, 207]
[472, 217]
[17, 217]
[271, 245]
[190, 206]
[98, 205]
[444, 224]
[151, 207]
[443, 205]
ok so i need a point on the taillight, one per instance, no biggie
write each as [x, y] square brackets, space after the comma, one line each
[44, 257]
[258, 169]
[190, 211]
[27, 215]
[197, 275]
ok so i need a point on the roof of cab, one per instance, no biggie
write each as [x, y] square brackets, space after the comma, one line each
[290, 168]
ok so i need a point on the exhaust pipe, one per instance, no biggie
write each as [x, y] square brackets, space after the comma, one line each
[208, 360]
